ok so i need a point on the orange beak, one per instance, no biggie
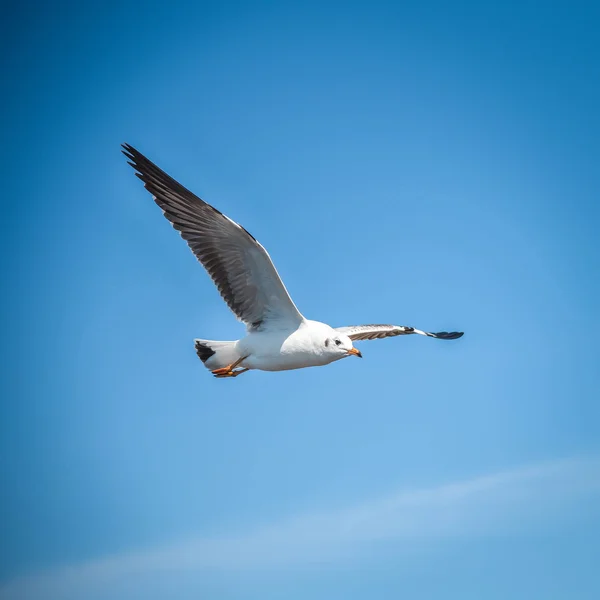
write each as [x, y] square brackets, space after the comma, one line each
[355, 352]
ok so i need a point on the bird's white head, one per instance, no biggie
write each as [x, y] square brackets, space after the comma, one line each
[338, 345]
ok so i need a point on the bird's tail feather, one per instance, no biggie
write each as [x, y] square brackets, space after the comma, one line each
[216, 355]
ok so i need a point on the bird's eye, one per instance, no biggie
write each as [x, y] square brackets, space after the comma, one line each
[338, 342]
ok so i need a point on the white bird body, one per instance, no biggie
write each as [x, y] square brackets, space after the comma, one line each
[279, 337]
[284, 349]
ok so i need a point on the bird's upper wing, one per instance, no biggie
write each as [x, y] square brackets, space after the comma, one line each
[377, 332]
[239, 266]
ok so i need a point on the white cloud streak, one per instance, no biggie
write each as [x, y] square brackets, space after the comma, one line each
[509, 502]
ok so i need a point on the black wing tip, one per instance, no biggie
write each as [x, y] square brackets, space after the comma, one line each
[147, 171]
[204, 351]
[129, 151]
[452, 335]
[133, 156]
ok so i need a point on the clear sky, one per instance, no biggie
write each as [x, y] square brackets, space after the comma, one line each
[428, 164]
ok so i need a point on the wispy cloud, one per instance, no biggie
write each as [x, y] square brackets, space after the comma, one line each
[510, 501]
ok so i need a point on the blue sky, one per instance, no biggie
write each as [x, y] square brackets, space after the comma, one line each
[431, 165]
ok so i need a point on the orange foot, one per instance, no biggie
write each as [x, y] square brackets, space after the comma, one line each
[228, 372]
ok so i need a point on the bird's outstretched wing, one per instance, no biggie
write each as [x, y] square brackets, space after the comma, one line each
[377, 332]
[239, 266]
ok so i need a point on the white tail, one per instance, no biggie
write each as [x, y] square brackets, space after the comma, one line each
[216, 355]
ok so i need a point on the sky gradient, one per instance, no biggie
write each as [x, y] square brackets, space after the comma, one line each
[433, 166]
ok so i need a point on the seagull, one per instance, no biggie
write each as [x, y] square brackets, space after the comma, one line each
[278, 337]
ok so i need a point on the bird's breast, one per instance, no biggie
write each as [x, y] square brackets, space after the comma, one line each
[281, 351]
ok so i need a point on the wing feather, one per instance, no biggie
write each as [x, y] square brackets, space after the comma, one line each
[239, 266]
[377, 332]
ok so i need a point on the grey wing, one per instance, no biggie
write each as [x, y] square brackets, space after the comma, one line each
[238, 265]
[377, 332]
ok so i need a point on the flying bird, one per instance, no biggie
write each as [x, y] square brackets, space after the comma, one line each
[278, 337]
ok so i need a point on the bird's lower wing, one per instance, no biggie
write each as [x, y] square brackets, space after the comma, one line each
[377, 332]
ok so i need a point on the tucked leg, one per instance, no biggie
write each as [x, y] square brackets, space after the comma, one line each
[229, 370]
[231, 373]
